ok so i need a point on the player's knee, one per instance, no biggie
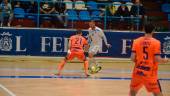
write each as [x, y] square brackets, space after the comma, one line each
[91, 55]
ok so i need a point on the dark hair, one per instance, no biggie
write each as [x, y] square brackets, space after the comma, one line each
[149, 28]
[92, 20]
[78, 31]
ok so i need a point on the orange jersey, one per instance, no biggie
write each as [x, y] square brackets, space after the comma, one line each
[77, 43]
[145, 49]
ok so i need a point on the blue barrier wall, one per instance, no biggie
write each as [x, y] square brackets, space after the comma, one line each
[43, 42]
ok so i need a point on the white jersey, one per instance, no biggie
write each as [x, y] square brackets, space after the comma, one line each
[96, 36]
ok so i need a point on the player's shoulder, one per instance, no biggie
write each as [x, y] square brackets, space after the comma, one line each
[82, 37]
[89, 29]
[98, 29]
[156, 41]
[72, 37]
[138, 39]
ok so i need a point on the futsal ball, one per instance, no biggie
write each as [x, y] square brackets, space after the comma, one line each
[93, 69]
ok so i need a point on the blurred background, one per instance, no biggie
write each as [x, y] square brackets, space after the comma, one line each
[63, 14]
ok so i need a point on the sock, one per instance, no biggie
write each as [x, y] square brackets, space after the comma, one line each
[60, 66]
[86, 65]
[92, 61]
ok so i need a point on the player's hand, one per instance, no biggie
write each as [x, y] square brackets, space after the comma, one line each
[108, 45]
[86, 48]
[68, 52]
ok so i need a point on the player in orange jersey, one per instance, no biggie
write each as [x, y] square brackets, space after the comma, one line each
[76, 49]
[145, 54]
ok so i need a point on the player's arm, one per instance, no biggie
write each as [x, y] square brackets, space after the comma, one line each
[69, 46]
[105, 39]
[159, 59]
[86, 45]
[86, 48]
[157, 51]
[89, 37]
[133, 53]
[133, 56]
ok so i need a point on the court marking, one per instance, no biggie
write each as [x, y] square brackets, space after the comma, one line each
[68, 71]
[7, 90]
[77, 77]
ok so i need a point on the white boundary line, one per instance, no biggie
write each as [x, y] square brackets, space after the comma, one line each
[7, 90]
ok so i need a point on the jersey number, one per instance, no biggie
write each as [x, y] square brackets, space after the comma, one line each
[145, 52]
[78, 41]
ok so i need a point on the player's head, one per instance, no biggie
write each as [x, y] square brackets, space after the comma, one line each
[5, 1]
[78, 32]
[92, 24]
[149, 28]
[137, 2]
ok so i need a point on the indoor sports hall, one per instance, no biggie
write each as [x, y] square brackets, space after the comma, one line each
[34, 39]
[32, 76]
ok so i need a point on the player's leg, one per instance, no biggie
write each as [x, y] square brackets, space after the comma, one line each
[61, 65]
[153, 86]
[92, 60]
[135, 85]
[63, 62]
[93, 50]
[93, 63]
[86, 66]
[81, 56]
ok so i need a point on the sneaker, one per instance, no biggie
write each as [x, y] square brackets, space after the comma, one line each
[87, 75]
[56, 74]
[98, 69]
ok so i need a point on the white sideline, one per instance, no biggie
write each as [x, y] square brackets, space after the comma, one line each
[7, 90]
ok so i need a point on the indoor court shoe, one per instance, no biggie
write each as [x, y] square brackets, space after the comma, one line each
[98, 69]
[56, 74]
[87, 75]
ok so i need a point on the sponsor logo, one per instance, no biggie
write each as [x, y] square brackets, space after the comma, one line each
[5, 41]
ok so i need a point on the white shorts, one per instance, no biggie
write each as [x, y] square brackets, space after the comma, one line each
[94, 49]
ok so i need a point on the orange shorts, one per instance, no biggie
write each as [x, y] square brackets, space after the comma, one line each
[152, 85]
[79, 55]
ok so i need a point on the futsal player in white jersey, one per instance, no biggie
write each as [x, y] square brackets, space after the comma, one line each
[95, 37]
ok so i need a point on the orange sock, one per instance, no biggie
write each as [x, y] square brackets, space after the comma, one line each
[60, 66]
[86, 65]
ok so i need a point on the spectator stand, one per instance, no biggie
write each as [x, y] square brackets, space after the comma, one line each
[77, 13]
